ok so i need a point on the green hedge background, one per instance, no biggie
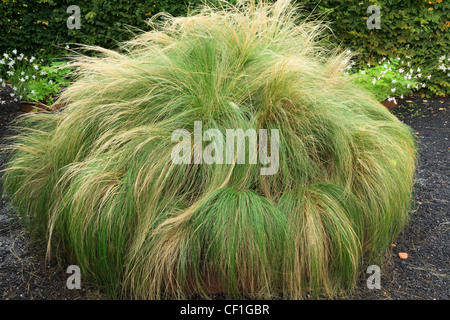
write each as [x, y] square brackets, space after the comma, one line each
[418, 29]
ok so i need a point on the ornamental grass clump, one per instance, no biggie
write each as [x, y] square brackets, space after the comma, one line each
[98, 181]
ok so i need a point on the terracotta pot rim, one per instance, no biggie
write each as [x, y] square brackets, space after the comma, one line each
[389, 104]
[27, 106]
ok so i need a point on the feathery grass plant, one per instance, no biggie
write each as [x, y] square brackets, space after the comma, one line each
[97, 179]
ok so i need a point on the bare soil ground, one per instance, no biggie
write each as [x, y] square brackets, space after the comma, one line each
[425, 274]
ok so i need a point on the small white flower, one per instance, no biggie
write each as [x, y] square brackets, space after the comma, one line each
[67, 47]
[34, 77]
[348, 51]
[50, 82]
[408, 85]
[32, 92]
[419, 75]
[374, 80]
[393, 89]
[429, 77]
[6, 55]
[348, 67]
[43, 73]
[2, 61]
[394, 81]
[423, 85]
[36, 66]
[22, 73]
[401, 97]
[345, 73]
[11, 73]
[368, 64]
[12, 94]
[14, 51]
[418, 69]
[401, 70]
[22, 80]
[14, 88]
[363, 72]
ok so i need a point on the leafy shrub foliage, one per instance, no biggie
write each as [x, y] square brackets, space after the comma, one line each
[41, 24]
[416, 28]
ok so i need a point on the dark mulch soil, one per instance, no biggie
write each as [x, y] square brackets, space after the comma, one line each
[24, 274]
[9, 110]
[24, 271]
[424, 275]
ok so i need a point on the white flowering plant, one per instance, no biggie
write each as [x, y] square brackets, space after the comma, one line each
[444, 65]
[53, 78]
[390, 78]
[31, 79]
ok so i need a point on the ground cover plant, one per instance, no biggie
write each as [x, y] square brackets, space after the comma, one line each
[97, 181]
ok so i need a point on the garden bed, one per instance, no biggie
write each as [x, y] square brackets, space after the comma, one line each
[423, 275]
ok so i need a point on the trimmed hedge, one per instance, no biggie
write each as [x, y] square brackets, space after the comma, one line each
[416, 28]
[35, 25]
